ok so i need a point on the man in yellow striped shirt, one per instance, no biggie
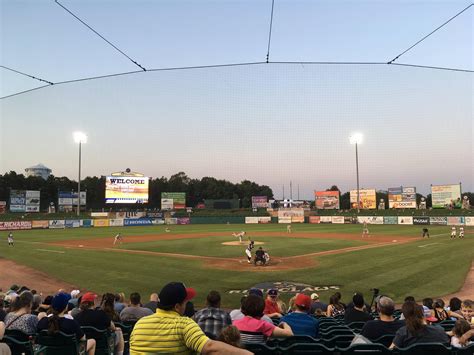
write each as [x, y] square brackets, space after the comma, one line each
[167, 331]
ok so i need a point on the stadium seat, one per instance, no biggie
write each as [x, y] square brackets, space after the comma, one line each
[340, 341]
[447, 324]
[356, 326]
[261, 349]
[59, 344]
[105, 340]
[386, 340]
[469, 350]
[307, 348]
[370, 349]
[19, 342]
[295, 339]
[334, 332]
[425, 349]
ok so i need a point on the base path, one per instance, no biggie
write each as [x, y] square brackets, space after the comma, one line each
[13, 273]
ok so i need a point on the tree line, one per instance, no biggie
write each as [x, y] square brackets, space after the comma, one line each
[197, 190]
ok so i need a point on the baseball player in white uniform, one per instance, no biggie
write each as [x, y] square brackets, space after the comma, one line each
[453, 232]
[365, 230]
[248, 251]
[461, 232]
[239, 235]
[288, 228]
[10, 239]
[118, 239]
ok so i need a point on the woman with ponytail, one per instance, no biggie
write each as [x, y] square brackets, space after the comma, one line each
[417, 330]
[57, 322]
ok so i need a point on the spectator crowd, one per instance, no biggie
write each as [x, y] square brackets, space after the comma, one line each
[168, 322]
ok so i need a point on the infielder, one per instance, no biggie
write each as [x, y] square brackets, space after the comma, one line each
[288, 228]
[426, 233]
[248, 251]
[453, 232]
[461, 232]
[365, 230]
[10, 239]
[239, 235]
[167, 230]
[118, 239]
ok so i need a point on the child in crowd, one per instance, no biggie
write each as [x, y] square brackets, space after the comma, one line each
[460, 328]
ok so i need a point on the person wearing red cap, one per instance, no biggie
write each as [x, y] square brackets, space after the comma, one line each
[167, 331]
[300, 321]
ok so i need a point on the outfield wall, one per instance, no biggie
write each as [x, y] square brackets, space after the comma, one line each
[147, 221]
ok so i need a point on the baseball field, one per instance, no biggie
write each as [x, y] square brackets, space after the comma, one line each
[394, 259]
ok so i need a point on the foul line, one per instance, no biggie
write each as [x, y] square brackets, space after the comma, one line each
[422, 246]
[52, 251]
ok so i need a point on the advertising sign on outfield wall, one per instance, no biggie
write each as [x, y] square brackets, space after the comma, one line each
[326, 219]
[368, 199]
[57, 224]
[337, 219]
[257, 220]
[350, 220]
[469, 221]
[158, 221]
[284, 219]
[86, 223]
[297, 219]
[183, 220]
[439, 220]
[116, 222]
[101, 222]
[129, 222]
[128, 214]
[14, 225]
[390, 220]
[290, 212]
[24, 201]
[445, 196]
[39, 224]
[67, 200]
[259, 201]
[99, 214]
[455, 221]
[370, 219]
[171, 221]
[405, 220]
[402, 197]
[421, 220]
[326, 200]
[3, 207]
[314, 219]
[72, 223]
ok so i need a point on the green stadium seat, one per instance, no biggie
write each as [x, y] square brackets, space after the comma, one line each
[307, 348]
[386, 340]
[356, 326]
[261, 349]
[469, 350]
[334, 332]
[286, 342]
[340, 341]
[369, 349]
[425, 349]
[19, 343]
[59, 344]
[105, 340]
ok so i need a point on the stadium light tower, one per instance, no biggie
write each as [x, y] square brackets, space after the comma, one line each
[79, 137]
[357, 138]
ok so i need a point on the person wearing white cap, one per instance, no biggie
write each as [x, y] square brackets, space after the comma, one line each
[317, 304]
[74, 297]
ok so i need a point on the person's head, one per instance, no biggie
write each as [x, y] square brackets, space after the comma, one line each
[386, 306]
[253, 306]
[461, 327]
[108, 301]
[272, 294]
[135, 298]
[154, 297]
[334, 300]
[438, 303]
[315, 297]
[36, 302]
[256, 291]
[338, 295]
[428, 302]
[230, 335]
[409, 299]
[87, 300]
[59, 303]
[302, 303]
[174, 296]
[358, 300]
[213, 299]
[414, 317]
[467, 309]
[23, 301]
[454, 304]
[120, 297]
[75, 293]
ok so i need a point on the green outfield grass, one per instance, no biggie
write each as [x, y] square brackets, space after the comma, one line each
[421, 268]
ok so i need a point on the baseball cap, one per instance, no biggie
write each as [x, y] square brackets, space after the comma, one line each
[256, 291]
[428, 316]
[273, 292]
[60, 301]
[74, 293]
[175, 292]
[314, 296]
[88, 297]
[303, 301]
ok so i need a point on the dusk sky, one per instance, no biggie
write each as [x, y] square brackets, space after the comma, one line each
[269, 123]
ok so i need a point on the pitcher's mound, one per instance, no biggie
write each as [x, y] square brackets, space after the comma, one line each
[241, 244]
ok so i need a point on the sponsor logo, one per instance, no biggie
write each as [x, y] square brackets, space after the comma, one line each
[127, 181]
[287, 287]
[421, 220]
